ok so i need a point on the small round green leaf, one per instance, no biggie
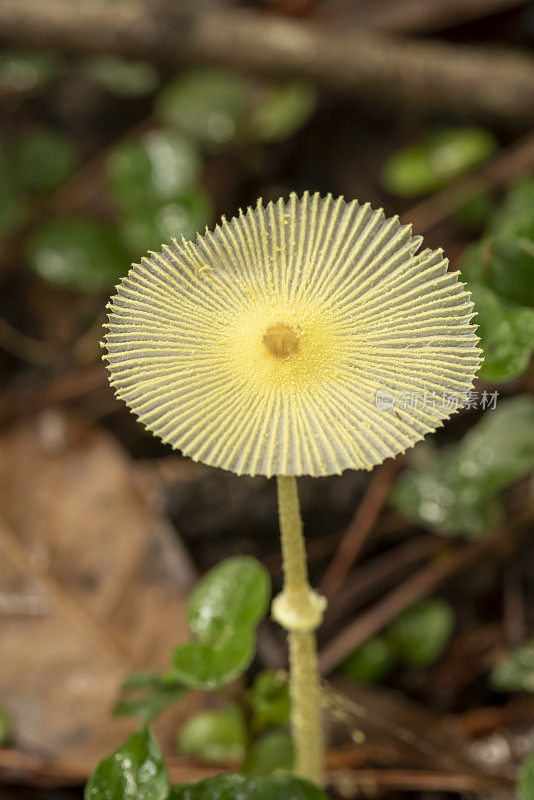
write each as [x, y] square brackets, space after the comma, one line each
[213, 663]
[233, 595]
[271, 754]
[240, 787]
[283, 110]
[370, 662]
[160, 167]
[79, 254]
[44, 159]
[135, 771]
[22, 71]
[209, 104]
[421, 634]
[269, 700]
[214, 735]
[438, 160]
[122, 77]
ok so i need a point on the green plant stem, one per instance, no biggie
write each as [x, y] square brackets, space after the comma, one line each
[299, 610]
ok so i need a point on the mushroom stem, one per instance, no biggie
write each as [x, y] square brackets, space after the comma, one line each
[300, 610]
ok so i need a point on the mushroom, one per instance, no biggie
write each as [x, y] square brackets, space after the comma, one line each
[279, 344]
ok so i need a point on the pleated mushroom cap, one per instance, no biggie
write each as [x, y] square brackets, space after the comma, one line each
[275, 344]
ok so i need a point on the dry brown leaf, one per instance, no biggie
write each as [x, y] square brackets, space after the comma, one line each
[92, 586]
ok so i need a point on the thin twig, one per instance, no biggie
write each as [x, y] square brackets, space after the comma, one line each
[405, 780]
[27, 768]
[360, 527]
[415, 588]
[434, 75]
[378, 573]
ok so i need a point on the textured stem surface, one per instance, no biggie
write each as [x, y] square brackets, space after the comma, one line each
[299, 611]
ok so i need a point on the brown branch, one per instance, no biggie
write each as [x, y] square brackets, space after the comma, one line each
[360, 527]
[368, 580]
[422, 16]
[425, 581]
[29, 769]
[407, 780]
[438, 76]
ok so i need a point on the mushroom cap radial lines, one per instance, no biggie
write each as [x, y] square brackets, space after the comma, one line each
[268, 345]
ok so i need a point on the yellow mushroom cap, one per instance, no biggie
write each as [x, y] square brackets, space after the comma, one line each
[276, 343]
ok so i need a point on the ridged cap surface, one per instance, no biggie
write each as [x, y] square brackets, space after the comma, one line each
[260, 348]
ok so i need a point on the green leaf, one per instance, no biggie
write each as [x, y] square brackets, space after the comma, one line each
[148, 694]
[209, 104]
[123, 77]
[79, 254]
[158, 168]
[272, 753]
[210, 664]
[511, 271]
[525, 785]
[437, 161]
[223, 611]
[214, 735]
[516, 672]
[135, 771]
[44, 159]
[283, 110]
[146, 229]
[422, 633]
[516, 214]
[269, 700]
[22, 71]
[457, 490]
[240, 787]
[234, 594]
[371, 662]
[6, 727]
[504, 257]
[506, 333]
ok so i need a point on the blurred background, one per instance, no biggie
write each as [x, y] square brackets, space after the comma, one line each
[126, 123]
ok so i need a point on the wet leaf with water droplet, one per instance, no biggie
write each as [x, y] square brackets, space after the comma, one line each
[457, 490]
[223, 611]
[135, 771]
[506, 332]
[240, 787]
